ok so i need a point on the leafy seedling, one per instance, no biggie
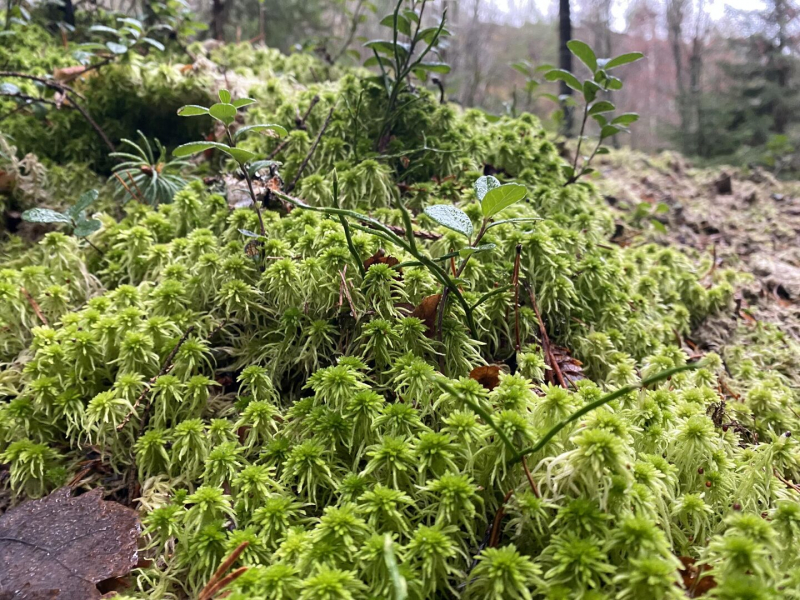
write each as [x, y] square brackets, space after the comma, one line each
[225, 112]
[594, 105]
[75, 217]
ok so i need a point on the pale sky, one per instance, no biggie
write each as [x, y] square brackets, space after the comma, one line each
[716, 8]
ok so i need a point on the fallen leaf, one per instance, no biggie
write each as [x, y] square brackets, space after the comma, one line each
[62, 546]
[380, 257]
[694, 579]
[488, 376]
[426, 312]
[571, 368]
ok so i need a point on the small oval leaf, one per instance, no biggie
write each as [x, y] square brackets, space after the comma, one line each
[484, 184]
[44, 215]
[501, 198]
[451, 217]
[192, 110]
[223, 112]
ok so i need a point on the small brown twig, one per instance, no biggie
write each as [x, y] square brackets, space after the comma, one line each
[135, 185]
[498, 518]
[34, 305]
[790, 484]
[546, 348]
[218, 579]
[127, 189]
[300, 123]
[93, 123]
[165, 368]
[347, 293]
[515, 282]
[313, 149]
[532, 483]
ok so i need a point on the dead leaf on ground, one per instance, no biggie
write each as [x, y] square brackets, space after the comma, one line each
[696, 582]
[380, 257]
[488, 376]
[571, 367]
[62, 546]
[426, 312]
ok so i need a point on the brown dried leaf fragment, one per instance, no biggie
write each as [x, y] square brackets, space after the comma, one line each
[380, 257]
[571, 368]
[62, 546]
[488, 376]
[695, 580]
[426, 312]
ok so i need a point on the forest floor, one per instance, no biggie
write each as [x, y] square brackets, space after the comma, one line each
[745, 219]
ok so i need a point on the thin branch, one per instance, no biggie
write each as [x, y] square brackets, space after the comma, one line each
[515, 280]
[312, 150]
[48, 82]
[211, 588]
[165, 368]
[94, 124]
[347, 293]
[300, 123]
[494, 538]
[546, 348]
[34, 305]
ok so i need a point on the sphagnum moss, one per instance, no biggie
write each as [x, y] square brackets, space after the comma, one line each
[292, 402]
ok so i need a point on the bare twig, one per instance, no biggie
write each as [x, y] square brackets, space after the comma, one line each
[127, 189]
[546, 348]
[347, 293]
[300, 123]
[218, 579]
[34, 305]
[532, 483]
[515, 281]
[498, 518]
[43, 80]
[312, 150]
[165, 368]
[94, 124]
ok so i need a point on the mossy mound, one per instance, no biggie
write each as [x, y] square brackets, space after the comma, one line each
[269, 393]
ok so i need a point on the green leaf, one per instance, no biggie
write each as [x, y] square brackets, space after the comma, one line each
[614, 83]
[134, 32]
[387, 47]
[658, 226]
[192, 110]
[224, 96]
[625, 119]
[428, 35]
[584, 53]
[249, 233]
[116, 48]
[224, 112]
[278, 130]
[403, 25]
[470, 250]
[590, 89]
[523, 67]
[242, 102]
[566, 77]
[197, 147]
[601, 107]
[44, 215]
[451, 217]
[132, 22]
[86, 199]
[623, 59]
[103, 29]
[501, 198]
[602, 150]
[661, 208]
[240, 155]
[154, 43]
[485, 184]
[86, 227]
[601, 120]
[434, 67]
[608, 131]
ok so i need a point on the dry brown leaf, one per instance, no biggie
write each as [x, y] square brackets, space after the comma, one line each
[488, 376]
[571, 368]
[380, 257]
[696, 582]
[426, 312]
[62, 546]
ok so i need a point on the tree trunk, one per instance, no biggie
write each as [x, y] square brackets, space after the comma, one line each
[218, 19]
[565, 57]
[675, 18]
[69, 12]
